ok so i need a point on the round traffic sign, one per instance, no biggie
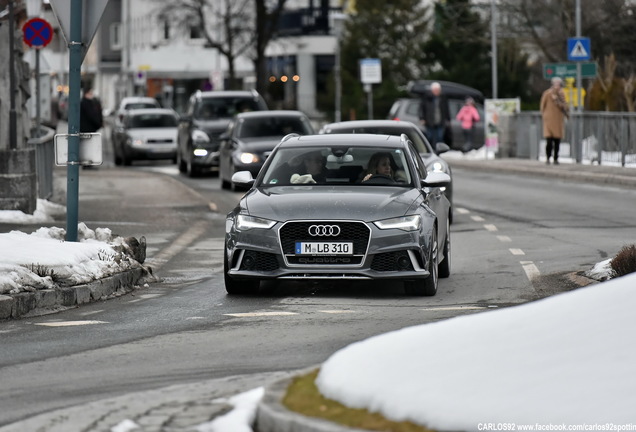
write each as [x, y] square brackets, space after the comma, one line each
[37, 32]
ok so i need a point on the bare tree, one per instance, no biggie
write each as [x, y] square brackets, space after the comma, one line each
[226, 25]
[267, 13]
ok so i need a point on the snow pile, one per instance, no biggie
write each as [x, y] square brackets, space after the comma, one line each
[43, 259]
[567, 359]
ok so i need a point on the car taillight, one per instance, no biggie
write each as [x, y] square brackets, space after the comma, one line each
[396, 118]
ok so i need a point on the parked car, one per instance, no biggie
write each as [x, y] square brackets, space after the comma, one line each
[251, 137]
[431, 158]
[324, 221]
[408, 109]
[207, 116]
[143, 134]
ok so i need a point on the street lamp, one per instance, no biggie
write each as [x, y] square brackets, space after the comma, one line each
[338, 20]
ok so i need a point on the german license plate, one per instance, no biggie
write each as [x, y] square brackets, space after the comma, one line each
[324, 248]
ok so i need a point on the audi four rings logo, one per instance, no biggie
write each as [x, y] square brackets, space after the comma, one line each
[324, 230]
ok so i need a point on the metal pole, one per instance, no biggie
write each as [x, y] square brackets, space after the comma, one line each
[37, 93]
[579, 107]
[75, 64]
[338, 110]
[13, 124]
[493, 49]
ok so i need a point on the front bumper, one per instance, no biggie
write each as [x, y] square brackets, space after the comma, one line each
[384, 254]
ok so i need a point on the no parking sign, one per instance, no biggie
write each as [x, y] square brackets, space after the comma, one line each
[37, 32]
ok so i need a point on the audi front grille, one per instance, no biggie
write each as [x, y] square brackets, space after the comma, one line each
[357, 233]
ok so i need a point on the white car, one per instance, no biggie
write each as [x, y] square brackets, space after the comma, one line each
[145, 134]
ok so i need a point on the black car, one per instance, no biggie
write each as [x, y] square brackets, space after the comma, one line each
[145, 134]
[251, 136]
[206, 118]
[319, 209]
[430, 157]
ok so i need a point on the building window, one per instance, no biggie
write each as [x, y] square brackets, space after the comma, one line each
[195, 32]
[115, 36]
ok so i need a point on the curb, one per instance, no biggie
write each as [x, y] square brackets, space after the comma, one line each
[272, 416]
[42, 302]
[595, 174]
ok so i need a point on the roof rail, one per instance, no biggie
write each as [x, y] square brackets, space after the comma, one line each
[290, 135]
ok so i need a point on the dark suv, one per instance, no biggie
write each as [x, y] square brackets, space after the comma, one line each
[206, 118]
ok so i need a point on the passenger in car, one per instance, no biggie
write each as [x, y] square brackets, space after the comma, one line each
[313, 165]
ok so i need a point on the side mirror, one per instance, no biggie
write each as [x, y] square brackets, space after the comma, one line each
[243, 179]
[436, 179]
[442, 148]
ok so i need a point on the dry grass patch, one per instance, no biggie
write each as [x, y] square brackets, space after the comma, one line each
[625, 261]
[303, 397]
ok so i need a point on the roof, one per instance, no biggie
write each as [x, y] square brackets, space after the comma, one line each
[360, 124]
[351, 140]
[271, 113]
[142, 111]
[227, 93]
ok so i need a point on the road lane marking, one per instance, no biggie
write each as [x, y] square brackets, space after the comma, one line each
[516, 251]
[477, 218]
[531, 270]
[462, 210]
[490, 227]
[259, 314]
[70, 323]
[337, 311]
[504, 239]
[92, 312]
[178, 245]
[454, 308]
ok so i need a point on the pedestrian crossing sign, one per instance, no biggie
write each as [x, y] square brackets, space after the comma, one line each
[579, 49]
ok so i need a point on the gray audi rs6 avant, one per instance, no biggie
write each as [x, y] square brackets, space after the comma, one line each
[340, 206]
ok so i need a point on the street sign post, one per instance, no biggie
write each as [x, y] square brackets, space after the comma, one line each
[370, 73]
[37, 34]
[79, 20]
[568, 70]
[579, 49]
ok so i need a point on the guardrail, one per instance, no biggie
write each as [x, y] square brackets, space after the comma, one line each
[592, 137]
[44, 160]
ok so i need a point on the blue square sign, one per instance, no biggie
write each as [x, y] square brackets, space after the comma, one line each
[579, 49]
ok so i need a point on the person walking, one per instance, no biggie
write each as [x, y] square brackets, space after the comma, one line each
[554, 111]
[434, 114]
[468, 116]
[91, 119]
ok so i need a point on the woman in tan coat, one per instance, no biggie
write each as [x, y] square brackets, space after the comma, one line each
[554, 110]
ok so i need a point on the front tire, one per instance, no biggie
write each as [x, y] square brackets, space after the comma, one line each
[428, 286]
[444, 268]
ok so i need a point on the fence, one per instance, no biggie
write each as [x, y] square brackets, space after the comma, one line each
[44, 161]
[605, 137]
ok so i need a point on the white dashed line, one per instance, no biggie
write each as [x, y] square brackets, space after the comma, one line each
[259, 314]
[490, 227]
[70, 323]
[182, 242]
[337, 311]
[477, 218]
[462, 210]
[516, 251]
[531, 270]
[504, 239]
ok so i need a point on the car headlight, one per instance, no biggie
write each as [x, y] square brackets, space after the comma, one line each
[137, 142]
[200, 152]
[199, 137]
[439, 167]
[248, 158]
[405, 223]
[244, 222]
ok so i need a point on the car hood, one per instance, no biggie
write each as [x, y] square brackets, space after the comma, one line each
[212, 126]
[366, 203]
[260, 144]
[153, 133]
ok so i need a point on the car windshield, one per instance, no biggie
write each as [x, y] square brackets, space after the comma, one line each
[224, 107]
[139, 105]
[416, 138]
[273, 127]
[153, 121]
[344, 165]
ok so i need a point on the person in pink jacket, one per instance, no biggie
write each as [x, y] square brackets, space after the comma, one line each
[468, 116]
